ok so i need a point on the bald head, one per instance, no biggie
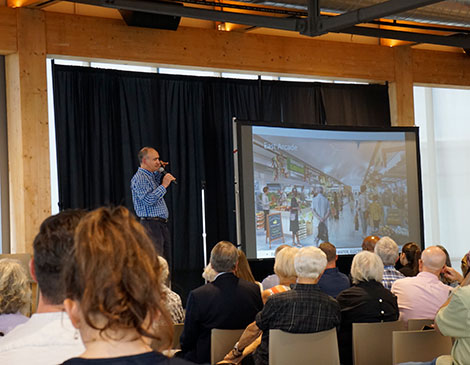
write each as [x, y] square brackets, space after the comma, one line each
[369, 243]
[432, 260]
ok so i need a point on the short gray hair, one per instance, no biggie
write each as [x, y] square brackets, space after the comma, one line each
[224, 257]
[284, 262]
[366, 266]
[310, 262]
[387, 250]
[14, 287]
[143, 153]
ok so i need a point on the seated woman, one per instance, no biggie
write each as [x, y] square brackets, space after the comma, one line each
[409, 258]
[251, 337]
[366, 301]
[171, 299]
[285, 270]
[15, 295]
[243, 270]
[112, 291]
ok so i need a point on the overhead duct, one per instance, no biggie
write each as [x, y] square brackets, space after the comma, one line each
[450, 12]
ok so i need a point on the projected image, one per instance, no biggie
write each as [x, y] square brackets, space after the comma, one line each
[311, 189]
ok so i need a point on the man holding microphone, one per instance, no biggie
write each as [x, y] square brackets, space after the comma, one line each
[149, 185]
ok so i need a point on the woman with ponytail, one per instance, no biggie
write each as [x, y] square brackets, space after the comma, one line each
[409, 258]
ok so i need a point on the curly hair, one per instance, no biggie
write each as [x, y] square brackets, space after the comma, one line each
[15, 291]
[114, 273]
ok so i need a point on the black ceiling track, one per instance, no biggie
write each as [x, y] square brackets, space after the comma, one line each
[310, 23]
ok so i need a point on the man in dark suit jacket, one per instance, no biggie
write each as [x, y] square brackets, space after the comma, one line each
[226, 303]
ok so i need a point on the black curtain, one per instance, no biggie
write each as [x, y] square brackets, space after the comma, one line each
[104, 117]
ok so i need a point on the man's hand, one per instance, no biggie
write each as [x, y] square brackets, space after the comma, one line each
[167, 179]
[452, 274]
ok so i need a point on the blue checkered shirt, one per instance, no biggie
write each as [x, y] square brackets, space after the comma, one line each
[147, 194]
[390, 275]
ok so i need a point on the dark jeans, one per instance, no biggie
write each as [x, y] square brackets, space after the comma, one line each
[160, 235]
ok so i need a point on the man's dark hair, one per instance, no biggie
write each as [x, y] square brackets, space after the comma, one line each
[52, 246]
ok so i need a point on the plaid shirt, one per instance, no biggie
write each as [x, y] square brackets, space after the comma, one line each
[304, 309]
[390, 275]
[147, 194]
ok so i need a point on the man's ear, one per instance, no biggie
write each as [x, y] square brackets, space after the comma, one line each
[73, 310]
[336, 259]
[31, 269]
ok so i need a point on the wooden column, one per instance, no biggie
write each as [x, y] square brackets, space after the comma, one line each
[401, 90]
[28, 135]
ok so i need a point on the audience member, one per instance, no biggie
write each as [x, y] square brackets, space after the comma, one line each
[112, 292]
[243, 270]
[304, 308]
[409, 258]
[453, 320]
[285, 271]
[365, 302]
[48, 337]
[273, 280]
[171, 299]
[465, 264]
[443, 277]
[227, 303]
[15, 295]
[209, 273]
[251, 337]
[421, 296]
[332, 282]
[369, 243]
[387, 250]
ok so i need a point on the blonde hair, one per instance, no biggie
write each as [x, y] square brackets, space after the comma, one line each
[15, 292]
[284, 262]
[164, 270]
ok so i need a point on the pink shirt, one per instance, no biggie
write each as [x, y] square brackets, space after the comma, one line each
[420, 296]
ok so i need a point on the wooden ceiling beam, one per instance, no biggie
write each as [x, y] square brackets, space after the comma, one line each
[37, 4]
[95, 38]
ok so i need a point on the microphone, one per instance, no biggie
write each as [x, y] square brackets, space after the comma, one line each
[162, 171]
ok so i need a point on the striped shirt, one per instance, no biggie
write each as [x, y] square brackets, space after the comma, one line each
[147, 194]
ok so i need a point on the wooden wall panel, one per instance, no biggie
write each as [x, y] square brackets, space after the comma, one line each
[87, 37]
[7, 31]
[28, 134]
[441, 68]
